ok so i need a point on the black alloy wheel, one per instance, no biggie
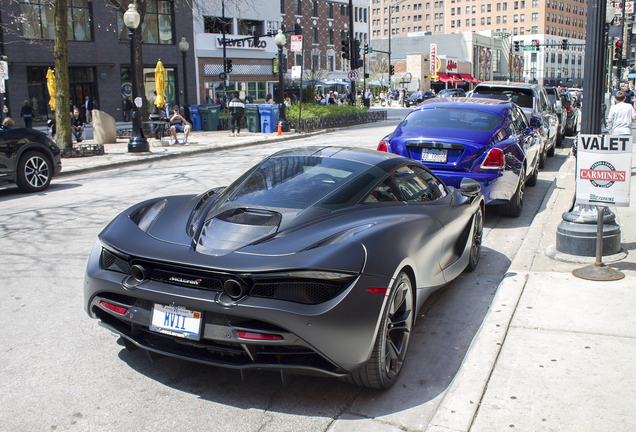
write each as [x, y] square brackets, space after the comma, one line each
[478, 233]
[34, 172]
[391, 344]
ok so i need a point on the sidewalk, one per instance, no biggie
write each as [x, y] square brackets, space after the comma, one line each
[116, 155]
[555, 352]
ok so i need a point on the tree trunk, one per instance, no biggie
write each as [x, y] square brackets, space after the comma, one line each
[60, 54]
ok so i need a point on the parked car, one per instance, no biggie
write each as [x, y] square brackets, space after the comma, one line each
[487, 140]
[315, 261]
[28, 158]
[556, 99]
[572, 113]
[454, 92]
[414, 99]
[533, 100]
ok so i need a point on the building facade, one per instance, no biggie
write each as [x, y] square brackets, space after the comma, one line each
[98, 54]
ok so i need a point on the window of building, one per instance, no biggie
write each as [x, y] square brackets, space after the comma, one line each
[522, 17]
[505, 19]
[248, 27]
[488, 7]
[331, 63]
[314, 8]
[38, 20]
[315, 34]
[522, 30]
[515, 31]
[535, 16]
[483, 21]
[157, 27]
[315, 62]
[452, 23]
[516, 5]
[467, 22]
[473, 22]
[298, 7]
[331, 36]
[505, 6]
[498, 6]
[483, 8]
[488, 21]
[535, 3]
[459, 23]
[535, 29]
[452, 11]
[498, 20]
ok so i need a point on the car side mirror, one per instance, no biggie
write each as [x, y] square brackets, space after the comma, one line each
[469, 187]
[535, 122]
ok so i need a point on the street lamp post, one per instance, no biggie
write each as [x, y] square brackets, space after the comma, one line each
[137, 142]
[280, 41]
[184, 46]
[391, 9]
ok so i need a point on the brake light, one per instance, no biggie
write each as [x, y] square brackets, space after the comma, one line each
[258, 336]
[381, 291]
[383, 147]
[494, 159]
[114, 308]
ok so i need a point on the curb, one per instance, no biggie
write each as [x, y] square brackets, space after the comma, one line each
[187, 151]
[461, 401]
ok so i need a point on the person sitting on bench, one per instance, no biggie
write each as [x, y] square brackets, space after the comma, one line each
[179, 124]
[77, 126]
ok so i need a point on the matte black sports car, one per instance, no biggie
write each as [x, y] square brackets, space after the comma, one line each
[28, 158]
[315, 261]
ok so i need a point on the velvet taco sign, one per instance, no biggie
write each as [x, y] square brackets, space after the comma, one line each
[603, 170]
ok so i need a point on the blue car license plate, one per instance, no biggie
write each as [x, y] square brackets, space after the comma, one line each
[176, 321]
[439, 156]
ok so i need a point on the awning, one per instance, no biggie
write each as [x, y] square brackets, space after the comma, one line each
[444, 77]
[631, 75]
[456, 78]
[468, 78]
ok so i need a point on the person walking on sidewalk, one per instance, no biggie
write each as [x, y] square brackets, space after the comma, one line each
[238, 109]
[27, 114]
[621, 116]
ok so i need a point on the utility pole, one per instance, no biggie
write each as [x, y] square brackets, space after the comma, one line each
[352, 55]
[620, 61]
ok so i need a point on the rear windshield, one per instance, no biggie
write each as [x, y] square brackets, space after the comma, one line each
[522, 97]
[452, 118]
[297, 182]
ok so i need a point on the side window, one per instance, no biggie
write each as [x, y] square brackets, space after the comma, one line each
[418, 186]
[518, 127]
[523, 122]
[384, 192]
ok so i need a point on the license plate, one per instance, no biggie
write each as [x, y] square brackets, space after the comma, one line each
[176, 321]
[439, 156]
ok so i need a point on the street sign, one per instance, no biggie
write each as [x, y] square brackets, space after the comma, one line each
[433, 59]
[353, 75]
[4, 70]
[296, 43]
[528, 48]
[2, 88]
[604, 166]
[295, 72]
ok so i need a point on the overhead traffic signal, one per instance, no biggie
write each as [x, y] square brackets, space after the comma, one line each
[516, 43]
[391, 70]
[537, 45]
[228, 66]
[257, 40]
[356, 62]
[345, 49]
[564, 44]
[298, 29]
[618, 50]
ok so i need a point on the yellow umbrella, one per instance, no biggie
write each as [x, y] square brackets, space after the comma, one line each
[50, 85]
[160, 82]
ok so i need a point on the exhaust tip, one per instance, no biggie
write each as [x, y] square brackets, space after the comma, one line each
[234, 288]
[139, 272]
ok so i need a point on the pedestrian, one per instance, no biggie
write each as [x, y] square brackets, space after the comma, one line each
[27, 114]
[629, 95]
[621, 116]
[77, 125]
[179, 124]
[294, 98]
[128, 106]
[88, 109]
[238, 109]
[249, 99]
[269, 99]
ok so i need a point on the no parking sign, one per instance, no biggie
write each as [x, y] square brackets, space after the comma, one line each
[603, 170]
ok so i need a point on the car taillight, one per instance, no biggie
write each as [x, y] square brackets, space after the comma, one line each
[114, 308]
[383, 146]
[494, 159]
[258, 336]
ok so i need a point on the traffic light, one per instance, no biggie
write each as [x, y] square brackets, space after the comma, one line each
[516, 45]
[391, 70]
[366, 76]
[618, 50]
[366, 48]
[298, 29]
[564, 44]
[345, 49]
[355, 55]
[257, 35]
[537, 45]
[228, 66]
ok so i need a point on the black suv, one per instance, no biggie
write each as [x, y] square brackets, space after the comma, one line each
[28, 158]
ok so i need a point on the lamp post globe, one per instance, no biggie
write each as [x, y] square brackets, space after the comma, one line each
[138, 142]
[184, 46]
[280, 41]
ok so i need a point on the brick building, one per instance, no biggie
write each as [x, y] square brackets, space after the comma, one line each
[98, 56]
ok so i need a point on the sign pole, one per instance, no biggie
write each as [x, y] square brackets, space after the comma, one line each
[300, 99]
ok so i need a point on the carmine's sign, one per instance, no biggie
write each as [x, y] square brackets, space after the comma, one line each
[233, 43]
[603, 168]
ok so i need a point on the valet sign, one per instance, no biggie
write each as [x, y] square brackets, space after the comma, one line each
[604, 166]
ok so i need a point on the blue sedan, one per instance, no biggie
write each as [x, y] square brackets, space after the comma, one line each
[487, 140]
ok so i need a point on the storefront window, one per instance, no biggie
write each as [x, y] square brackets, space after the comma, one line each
[149, 84]
[39, 20]
[215, 25]
[258, 90]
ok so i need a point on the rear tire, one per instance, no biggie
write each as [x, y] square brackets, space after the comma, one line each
[542, 158]
[391, 344]
[34, 172]
[514, 207]
[475, 247]
[532, 180]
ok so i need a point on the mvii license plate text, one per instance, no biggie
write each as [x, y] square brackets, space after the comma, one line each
[439, 156]
[176, 321]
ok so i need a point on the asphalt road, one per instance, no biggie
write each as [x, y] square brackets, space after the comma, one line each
[61, 371]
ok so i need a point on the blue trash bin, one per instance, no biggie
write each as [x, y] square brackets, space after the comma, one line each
[197, 125]
[269, 117]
